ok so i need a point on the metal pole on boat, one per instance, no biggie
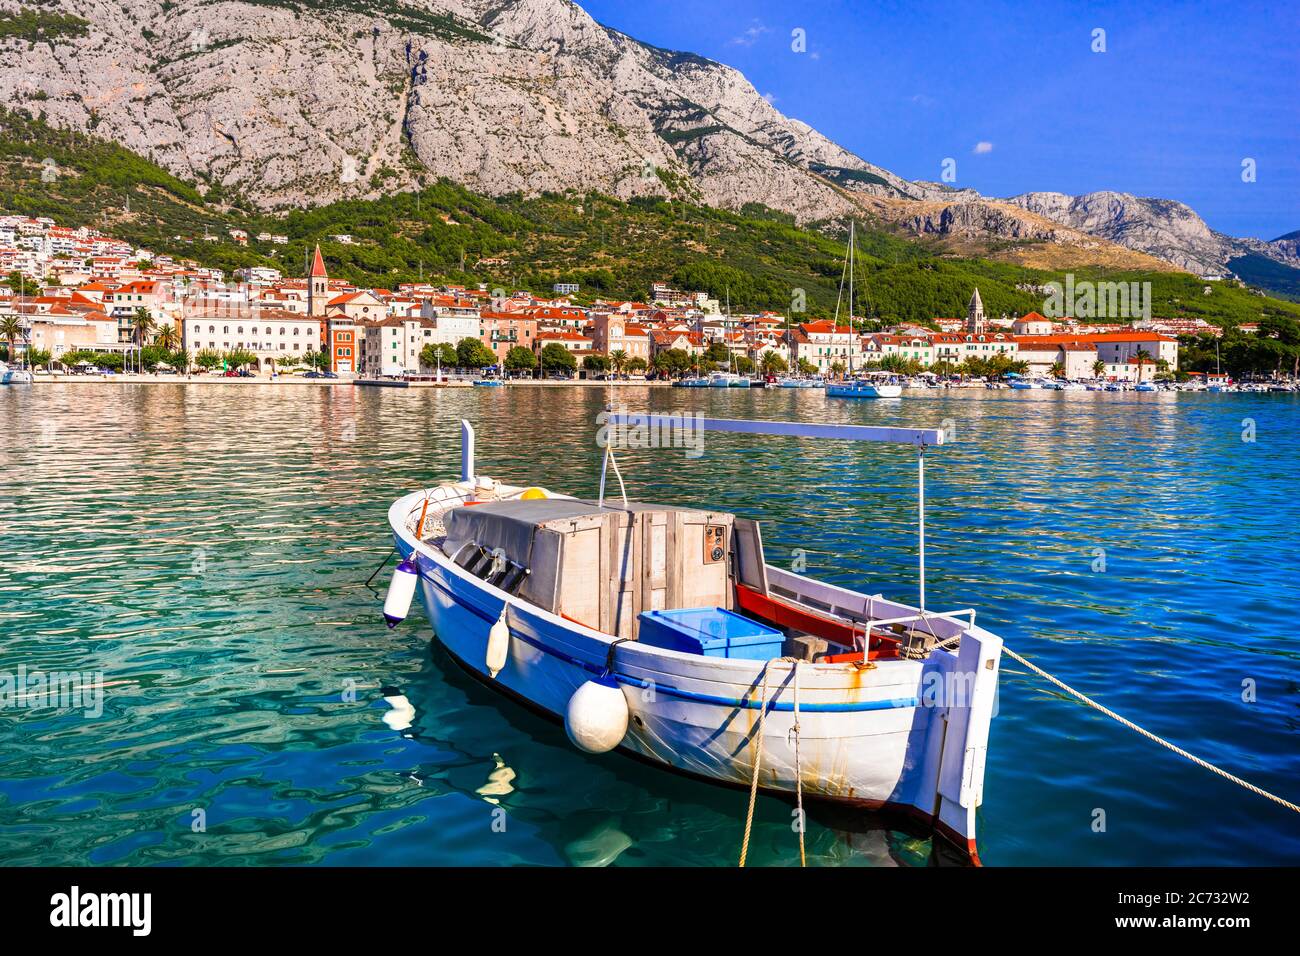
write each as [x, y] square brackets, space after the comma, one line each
[920, 497]
[466, 451]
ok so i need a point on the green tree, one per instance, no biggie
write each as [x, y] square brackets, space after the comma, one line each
[472, 353]
[1143, 357]
[1057, 370]
[38, 358]
[1098, 368]
[520, 359]
[637, 364]
[618, 361]
[744, 364]
[152, 355]
[142, 325]
[208, 359]
[11, 327]
[238, 358]
[556, 358]
[441, 354]
[772, 363]
[595, 362]
[806, 367]
[166, 336]
[180, 360]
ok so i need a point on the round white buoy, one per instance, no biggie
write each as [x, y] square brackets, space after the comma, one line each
[498, 645]
[401, 590]
[596, 718]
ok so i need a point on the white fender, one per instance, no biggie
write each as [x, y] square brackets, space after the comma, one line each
[596, 717]
[498, 645]
[401, 590]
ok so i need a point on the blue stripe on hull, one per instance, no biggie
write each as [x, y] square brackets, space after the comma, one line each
[743, 703]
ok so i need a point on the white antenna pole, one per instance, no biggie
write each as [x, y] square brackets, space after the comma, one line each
[466, 451]
[920, 497]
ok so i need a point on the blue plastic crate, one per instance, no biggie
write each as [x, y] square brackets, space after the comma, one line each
[710, 631]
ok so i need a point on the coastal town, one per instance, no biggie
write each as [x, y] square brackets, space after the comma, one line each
[75, 299]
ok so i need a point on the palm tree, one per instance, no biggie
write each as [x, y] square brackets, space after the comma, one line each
[166, 336]
[1057, 370]
[142, 324]
[618, 361]
[772, 363]
[1142, 356]
[12, 329]
[1098, 368]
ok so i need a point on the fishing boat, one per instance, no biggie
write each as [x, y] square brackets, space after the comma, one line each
[489, 383]
[662, 631]
[698, 381]
[1146, 387]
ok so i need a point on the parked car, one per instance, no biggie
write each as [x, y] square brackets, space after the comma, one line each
[312, 374]
[328, 375]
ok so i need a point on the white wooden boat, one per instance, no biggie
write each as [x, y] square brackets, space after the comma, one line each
[661, 631]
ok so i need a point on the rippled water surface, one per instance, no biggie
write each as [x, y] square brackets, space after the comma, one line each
[205, 549]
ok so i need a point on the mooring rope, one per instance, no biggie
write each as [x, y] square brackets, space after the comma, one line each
[758, 758]
[798, 765]
[1148, 734]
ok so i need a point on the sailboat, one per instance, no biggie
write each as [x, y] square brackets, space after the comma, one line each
[729, 378]
[662, 631]
[870, 385]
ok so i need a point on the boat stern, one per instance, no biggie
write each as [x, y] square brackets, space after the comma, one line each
[970, 708]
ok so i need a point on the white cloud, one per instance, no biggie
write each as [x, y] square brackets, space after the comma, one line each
[770, 97]
[750, 36]
[920, 99]
[982, 147]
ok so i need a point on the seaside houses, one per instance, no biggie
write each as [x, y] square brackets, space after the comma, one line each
[392, 346]
[503, 331]
[825, 345]
[612, 332]
[269, 333]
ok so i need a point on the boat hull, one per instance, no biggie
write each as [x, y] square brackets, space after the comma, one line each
[864, 391]
[874, 737]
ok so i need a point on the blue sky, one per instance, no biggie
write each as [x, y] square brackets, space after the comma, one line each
[1182, 95]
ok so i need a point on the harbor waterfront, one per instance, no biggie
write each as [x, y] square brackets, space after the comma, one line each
[203, 555]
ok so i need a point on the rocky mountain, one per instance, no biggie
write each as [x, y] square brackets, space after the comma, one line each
[300, 102]
[1164, 228]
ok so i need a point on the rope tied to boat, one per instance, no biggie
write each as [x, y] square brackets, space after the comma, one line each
[758, 759]
[1078, 695]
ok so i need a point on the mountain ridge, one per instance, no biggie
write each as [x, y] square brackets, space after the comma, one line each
[303, 102]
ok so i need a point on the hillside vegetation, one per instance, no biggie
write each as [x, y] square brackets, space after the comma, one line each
[614, 249]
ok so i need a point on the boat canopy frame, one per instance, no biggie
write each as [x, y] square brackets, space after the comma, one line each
[920, 438]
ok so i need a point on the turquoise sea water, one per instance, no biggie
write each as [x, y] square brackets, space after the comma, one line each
[204, 549]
